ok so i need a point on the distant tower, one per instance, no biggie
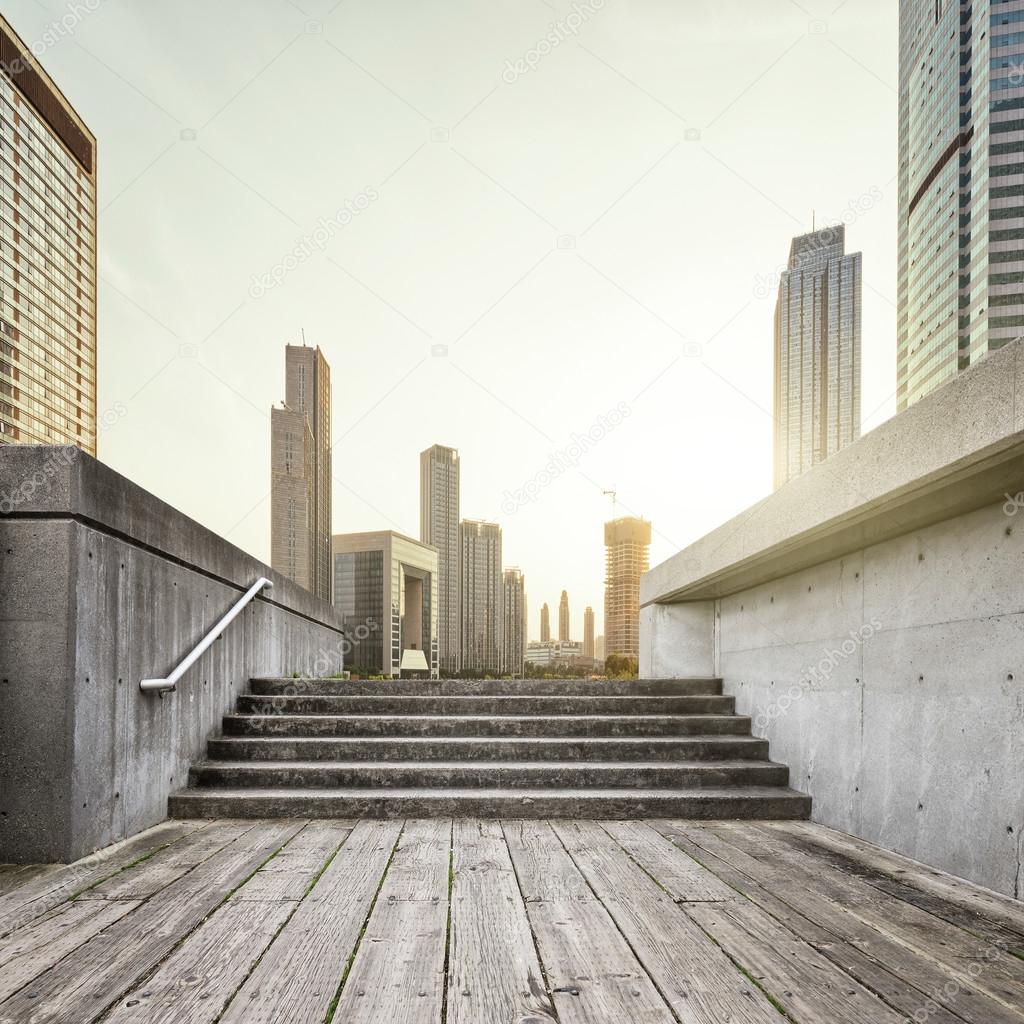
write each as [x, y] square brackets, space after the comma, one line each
[514, 612]
[817, 352]
[588, 633]
[439, 526]
[481, 623]
[627, 541]
[545, 624]
[563, 617]
[300, 500]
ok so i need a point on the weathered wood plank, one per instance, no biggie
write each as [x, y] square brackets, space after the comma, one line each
[807, 985]
[87, 982]
[593, 975]
[30, 951]
[697, 980]
[1001, 976]
[12, 876]
[982, 909]
[398, 972]
[494, 974]
[680, 874]
[902, 976]
[30, 901]
[298, 977]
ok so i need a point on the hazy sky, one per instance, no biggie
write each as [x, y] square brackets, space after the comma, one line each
[541, 238]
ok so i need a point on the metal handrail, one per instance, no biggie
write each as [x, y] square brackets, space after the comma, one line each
[170, 683]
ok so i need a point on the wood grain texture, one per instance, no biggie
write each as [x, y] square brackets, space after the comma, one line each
[398, 973]
[593, 975]
[494, 974]
[297, 979]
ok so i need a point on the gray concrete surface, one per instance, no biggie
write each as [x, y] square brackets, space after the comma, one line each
[102, 585]
[869, 617]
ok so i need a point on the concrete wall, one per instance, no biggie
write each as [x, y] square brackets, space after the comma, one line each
[102, 585]
[889, 674]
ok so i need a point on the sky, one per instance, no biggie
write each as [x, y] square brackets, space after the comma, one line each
[509, 225]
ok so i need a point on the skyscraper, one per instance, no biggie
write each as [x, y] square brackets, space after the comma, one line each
[300, 517]
[545, 624]
[480, 593]
[627, 541]
[48, 261]
[563, 617]
[961, 179]
[514, 612]
[588, 633]
[439, 526]
[817, 352]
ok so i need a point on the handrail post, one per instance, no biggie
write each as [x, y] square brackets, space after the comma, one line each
[171, 682]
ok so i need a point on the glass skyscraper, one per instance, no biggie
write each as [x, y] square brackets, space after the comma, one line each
[817, 352]
[47, 258]
[481, 624]
[961, 187]
[439, 527]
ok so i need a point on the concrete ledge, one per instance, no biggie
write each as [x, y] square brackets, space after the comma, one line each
[104, 585]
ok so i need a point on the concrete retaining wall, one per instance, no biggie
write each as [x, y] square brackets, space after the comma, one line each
[879, 641]
[103, 585]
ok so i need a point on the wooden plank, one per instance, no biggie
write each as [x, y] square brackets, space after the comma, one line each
[1002, 976]
[904, 978]
[807, 985]
[696, 979]
[84, 984]
[297, 979]
[681, 875]
[494, 974]
[30, 901]
[398, 972]
[593, 975]
[12, 876]
[166, 866]
[201, 976]
[36, 948]
[899, 875]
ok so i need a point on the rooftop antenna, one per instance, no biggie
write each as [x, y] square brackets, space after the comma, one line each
[814, 220]
[303, 330]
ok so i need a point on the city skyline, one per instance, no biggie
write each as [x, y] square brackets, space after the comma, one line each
[324, 243]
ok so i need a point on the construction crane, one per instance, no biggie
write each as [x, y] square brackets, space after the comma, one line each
[615, 501]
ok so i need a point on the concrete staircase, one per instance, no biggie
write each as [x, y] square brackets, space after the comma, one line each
[533, 748]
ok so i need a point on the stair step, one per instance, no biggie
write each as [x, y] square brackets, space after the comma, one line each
[474, 748]
[747, 802]
[414, 704]
[486, 725]
[487, 774]
[488, 688]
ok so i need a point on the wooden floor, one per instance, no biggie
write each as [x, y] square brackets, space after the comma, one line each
[384, 922]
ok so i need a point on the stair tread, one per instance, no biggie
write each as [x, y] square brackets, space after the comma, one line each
[411, 740]
[665, 716]
[703, 794]
[578, 766]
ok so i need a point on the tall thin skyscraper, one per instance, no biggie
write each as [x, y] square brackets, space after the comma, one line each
[300, 525]
[960, 291]
[439, 526]
[514, 612]
[588, 633]
[48, 259]
[627, 542]
[817, 352]
[545, 624]
[480, 593]
[563, 617]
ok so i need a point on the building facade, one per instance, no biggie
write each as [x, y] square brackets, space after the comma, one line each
[563, 617]
[627, 557]
[817, 352]
[385, 587]
[960, 287]
[439, 527]
[589, 648]
[48, 268]
[514, 615]
[480, 592]
[300, 498]
[554, 653]
[545, 623]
